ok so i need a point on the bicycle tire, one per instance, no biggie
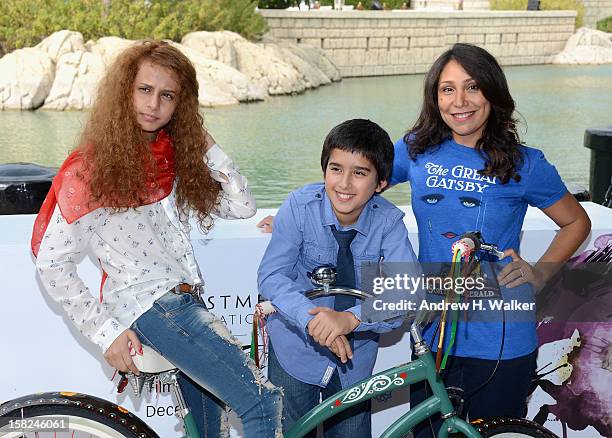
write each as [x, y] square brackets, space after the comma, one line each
[504, 427]
[85, 415]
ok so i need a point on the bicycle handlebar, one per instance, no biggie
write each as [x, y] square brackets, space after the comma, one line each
[422, 316]
[268, 308]
[322, 292]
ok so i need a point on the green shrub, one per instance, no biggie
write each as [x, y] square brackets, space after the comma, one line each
[274, 4]
[27, 22]
[508, 5]
[605, 25]
[565, 5]
[391, 4]
[545, 5]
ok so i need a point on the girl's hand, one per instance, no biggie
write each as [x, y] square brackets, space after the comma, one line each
[266, 224]
[210, 141]
[519, 272]
[119, 354]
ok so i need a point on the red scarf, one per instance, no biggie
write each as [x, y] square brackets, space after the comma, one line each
[72, 193]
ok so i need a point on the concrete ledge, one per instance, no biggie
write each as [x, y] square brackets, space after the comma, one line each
[411, 14]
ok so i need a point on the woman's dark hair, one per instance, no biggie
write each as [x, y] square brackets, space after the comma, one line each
[500, 142]
[364, 137]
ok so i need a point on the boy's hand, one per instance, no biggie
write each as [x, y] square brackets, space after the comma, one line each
[119, 354]
[266, 224]
[328, 324]
[342, 348]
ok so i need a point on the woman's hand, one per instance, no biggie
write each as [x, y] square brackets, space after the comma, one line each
[574, 226]
[119, 354]
[519, 272]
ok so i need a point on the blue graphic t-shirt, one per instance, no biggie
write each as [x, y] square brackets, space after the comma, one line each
[449, 198]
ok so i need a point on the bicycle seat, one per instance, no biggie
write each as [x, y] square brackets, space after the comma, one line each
[151, 361]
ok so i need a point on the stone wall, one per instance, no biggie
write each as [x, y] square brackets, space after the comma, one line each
[374, 43]
[595, 10]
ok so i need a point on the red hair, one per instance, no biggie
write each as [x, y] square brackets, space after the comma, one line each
[114, 145]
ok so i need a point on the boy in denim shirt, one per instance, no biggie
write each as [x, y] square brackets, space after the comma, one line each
[310, 351]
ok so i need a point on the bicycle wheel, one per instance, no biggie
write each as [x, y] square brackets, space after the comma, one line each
[511, 428]
[74, 415]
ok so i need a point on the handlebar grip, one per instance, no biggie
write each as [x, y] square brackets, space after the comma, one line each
[266, 307]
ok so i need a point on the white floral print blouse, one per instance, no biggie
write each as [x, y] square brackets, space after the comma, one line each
[144, 251]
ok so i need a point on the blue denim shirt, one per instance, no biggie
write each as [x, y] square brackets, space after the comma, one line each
[302, 240]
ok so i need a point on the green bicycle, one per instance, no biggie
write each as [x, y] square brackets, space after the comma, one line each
[88, 416]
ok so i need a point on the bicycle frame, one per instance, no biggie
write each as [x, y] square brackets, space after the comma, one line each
[419, 370]
[189, 424]
[191, 429]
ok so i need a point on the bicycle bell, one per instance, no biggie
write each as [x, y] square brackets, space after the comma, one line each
[324, 276]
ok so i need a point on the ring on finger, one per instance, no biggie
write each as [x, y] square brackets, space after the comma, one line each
[521, 271]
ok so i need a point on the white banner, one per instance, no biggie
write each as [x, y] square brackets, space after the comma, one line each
[43, 352]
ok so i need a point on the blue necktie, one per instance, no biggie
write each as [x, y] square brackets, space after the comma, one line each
[345, 268]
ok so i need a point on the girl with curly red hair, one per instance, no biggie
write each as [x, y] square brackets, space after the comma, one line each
[143, 165]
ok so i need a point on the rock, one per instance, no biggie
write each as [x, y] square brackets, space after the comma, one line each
[312, 63]
[311, 55]
[26, 76]
[586, 46]
[267, 70]
[214, 45]
[76, 80]
[108, 47]
[319, 59]
[61, 42]
[588, 37]
[261, 67]
[290, 53]
[63, 72]
[219, 83]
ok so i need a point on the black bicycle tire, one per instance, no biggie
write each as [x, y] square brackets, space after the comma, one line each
[495, 426]
[79, 405]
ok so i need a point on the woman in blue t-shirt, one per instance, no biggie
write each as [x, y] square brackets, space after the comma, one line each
[469, 172]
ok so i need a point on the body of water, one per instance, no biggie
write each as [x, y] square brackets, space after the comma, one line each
[277, 143]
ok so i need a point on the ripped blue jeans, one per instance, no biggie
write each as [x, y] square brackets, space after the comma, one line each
[215, 372]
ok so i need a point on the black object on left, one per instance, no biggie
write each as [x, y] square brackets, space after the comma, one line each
[23, 187]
